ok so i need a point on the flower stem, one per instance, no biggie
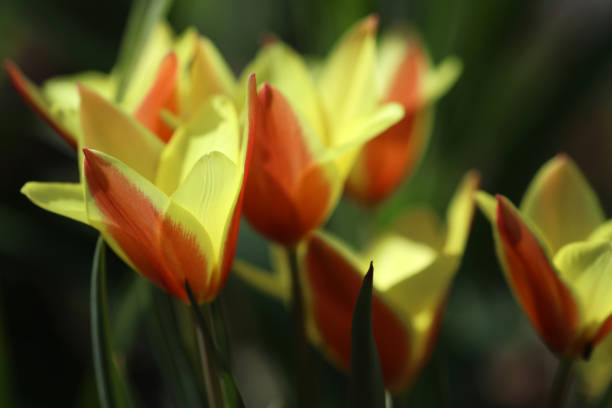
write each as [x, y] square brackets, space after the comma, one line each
[305, 395]
[206, 349]
[561, 383]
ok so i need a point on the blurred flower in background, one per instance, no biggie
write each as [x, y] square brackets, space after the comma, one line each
[556, 253]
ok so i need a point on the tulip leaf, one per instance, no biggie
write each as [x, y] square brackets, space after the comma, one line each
[366, 386]
[174, 358]
[112, 390]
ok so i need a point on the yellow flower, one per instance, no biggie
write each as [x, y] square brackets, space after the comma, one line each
[413, 273]
[170, 82]
[406, 76]
[556, 252]
[309, 132]
[171, 212]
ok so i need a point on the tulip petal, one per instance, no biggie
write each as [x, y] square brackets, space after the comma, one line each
[547, 301]
[402, 145]
[209, 193]
[407, 80]
[61, 198]
[587, 269]
[153, 234]
[158, 45]
[275, 284]
[162, 95]
[562, 204]
[108, 129]
[334, 280]
[347, 80]
[282, 67]
[414, 277]
[346, 143]
[214, 128]
[210, 75]
[603, 232]
[440, 79]
[421, 224]
[460, 213]
[31, 94]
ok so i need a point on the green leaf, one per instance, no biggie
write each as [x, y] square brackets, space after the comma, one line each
[5, 372]
[144, 15]
[366, 386]
[174, 358]
[112, 390]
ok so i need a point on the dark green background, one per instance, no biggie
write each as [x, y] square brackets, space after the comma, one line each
[537, 80]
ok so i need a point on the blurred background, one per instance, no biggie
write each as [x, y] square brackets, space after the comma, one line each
[537, 80]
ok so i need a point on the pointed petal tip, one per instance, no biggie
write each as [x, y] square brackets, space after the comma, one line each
[370, 24]
[10, 67]
[507, 221]
[268, 39]
[265, 94]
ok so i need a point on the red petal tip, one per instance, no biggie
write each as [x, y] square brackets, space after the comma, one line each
[506, 221]
[265, 94]
[370, 24]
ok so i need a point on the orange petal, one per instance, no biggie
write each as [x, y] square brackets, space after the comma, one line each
[544, 297]
[334, 286]
[162, 95]
[158, 247]
[30, 94]
[603, 331]
[280, 173]
[405, 87]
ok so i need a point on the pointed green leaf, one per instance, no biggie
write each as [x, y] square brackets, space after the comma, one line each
[366, 386]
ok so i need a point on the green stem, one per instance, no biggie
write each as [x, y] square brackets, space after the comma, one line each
[561, 383]
[206, 348]
[305, 395]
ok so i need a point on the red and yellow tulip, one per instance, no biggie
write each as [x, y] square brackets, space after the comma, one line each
[556, 252]
[170, 211]
[405, 76]
[413, 273]
[171, 80]
[309, 130]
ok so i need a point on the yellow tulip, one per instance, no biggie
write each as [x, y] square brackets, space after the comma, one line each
[171, 80]
[171, 212]
[556, 252]
[413, 273]
[309, 132]
[406, 76]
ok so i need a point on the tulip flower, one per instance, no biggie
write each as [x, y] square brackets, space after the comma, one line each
[171, 211]
[170, 82]
[413, 273]
[556, 253]
[406, 76]
[309, 130]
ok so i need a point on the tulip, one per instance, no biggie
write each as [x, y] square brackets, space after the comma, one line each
[309, 129]
[171, 211]
[406, 76]
[556, 252]
[413, 273]
[170, 82]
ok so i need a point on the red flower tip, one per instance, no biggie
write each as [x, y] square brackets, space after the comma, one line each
[265, 94]
[268, 39]
[370, 24]
[507, 222]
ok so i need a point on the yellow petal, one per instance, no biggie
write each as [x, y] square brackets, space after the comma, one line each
[347, 80]
[63, 93]
[209, 192]
[349, 139]
[107, 129]
[159, 44]
[587, 269]
[275, 284]
[214, 128]
[603, 232]
[441, 78]
[65, 199]
[460, 214]
[562, 204]
[210, 75]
